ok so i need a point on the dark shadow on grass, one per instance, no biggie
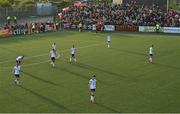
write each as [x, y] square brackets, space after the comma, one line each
[40, 79]
[9, 50]
[16, 98]
[50, 101]
[168, 66]
[130, 52]
[80, 75]
[106, 107]
[89, 67]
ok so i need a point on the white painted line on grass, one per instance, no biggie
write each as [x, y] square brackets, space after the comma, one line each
[34, 56]
[32, 64]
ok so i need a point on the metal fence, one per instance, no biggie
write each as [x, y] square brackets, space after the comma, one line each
[37, 10]
[19, 13]
[45, 9]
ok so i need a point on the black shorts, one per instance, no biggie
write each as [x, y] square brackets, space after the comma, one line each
[93, 90]
[73, 55]
[151, 55]
[109, 42]
[53, 59]
[17, 75]
[18, 62]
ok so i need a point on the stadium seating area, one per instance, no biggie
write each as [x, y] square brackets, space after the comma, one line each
[130, 14]
[127, 17]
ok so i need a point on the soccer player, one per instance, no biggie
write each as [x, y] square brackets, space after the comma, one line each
[80, 27]
[109, 40]
[54, 46]
[19, 59]
[92, 87]
[151, 53]
[16, 71]
[53, 57]
[73, 52]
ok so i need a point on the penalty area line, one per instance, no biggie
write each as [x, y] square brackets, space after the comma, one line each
[34, 56]
[58, 56]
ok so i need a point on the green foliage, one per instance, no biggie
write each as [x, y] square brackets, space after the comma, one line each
[65, 4]
[17, 3]
[31, 3]
[26, 4]
[11, 1]
[62, 3]
[174, 5]
[5, 3]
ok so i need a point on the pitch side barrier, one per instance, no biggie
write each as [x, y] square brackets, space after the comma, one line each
[126, 28]
[175, 30]
[5, 33]
[19, 30]
[110, 28]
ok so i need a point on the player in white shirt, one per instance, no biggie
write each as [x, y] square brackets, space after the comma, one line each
[151, 53]
[54, 46]
[53, 57]
[92, 87]
[19, 59]
[73, 52]
[16, 71]
[109, 40]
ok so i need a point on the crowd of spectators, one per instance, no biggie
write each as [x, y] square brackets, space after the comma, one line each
[110, 14]
[28, 28]
[129, 14]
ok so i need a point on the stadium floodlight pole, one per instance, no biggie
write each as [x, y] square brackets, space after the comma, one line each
[167, 6]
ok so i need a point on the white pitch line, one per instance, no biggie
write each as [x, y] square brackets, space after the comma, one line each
[32, 64]
[45, 54]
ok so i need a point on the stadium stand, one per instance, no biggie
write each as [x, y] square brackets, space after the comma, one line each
[125, 17]
[131, 14]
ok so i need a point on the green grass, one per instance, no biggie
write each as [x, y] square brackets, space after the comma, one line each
[126, 81]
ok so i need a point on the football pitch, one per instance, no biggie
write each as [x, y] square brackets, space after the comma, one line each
[126, 81]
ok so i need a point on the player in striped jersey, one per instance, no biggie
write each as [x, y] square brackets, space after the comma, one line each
[19, 59]
[109, 40]
[53, 57]
[73, 52]
[92, 87]
[16, 71]
[151, 53]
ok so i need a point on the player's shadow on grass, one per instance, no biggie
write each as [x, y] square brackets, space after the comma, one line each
[128, 51]
[48, 100]
[168, 66]
[40, 79]
[106, 107]
[88, 67]
[81, 75]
